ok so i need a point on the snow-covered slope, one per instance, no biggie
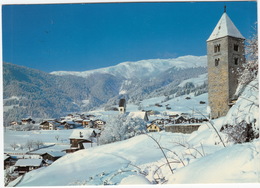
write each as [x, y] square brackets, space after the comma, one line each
[144, 68]
[140, 156]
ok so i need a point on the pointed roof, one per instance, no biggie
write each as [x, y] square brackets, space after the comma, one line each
[225, 27]
[122, 103]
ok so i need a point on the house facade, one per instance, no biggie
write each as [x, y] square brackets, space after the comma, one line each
[153, 128]
[49, 125]
[26, 165]
[80, 138]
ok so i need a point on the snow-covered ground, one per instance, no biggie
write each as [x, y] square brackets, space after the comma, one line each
[193, 158]
[200, 157]
[48, 137]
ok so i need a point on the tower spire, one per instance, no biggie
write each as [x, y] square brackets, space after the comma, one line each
[225, 9]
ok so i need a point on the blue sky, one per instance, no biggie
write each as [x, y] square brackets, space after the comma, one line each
[78, 37]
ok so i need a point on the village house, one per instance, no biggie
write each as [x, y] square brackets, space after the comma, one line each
[49, 125]
[52, 156]
[158, 121]
[15, 123]
[90, 116]
[99, 124]
[140, 115]
[173, 116]
[26, 121]
[69, 124]
[179, 120]
[88, 123]
[153, 128]
[26, 165]
[78, 121]
[82, 139]
[7, 161]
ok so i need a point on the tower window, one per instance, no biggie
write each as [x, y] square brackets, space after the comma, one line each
[236, 61]
[217, 48]
[217, 62]
[236, 47]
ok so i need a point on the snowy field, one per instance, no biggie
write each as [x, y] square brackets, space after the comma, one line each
[195, 158]
[200, 157]
[48, 137]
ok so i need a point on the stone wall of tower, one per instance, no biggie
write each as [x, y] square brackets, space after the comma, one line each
[235, 64]
[218, 77]
[222, 76]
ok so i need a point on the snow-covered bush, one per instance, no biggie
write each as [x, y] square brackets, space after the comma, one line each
[121, 127]
[242, 121]
[240, 133]
[249, 70]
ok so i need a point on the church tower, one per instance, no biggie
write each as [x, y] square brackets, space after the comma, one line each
[225, 52]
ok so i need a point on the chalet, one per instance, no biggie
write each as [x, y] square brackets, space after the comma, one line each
[185, 115]
[26, 165]
[81, 139]
[26, 121]
[52, 156]
[140, 115]
[7, 160]
[99, 124]
[68, 124]
[153, 128]
[174, 116]
[78, 121]
[122, 106]
[180, 120]
[158, 121]
[49, 125]
[15, 123]
[88, 123]
[90, 116]
[150, 112]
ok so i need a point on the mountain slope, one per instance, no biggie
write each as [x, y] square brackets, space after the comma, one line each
[144, 68]
[29, 92]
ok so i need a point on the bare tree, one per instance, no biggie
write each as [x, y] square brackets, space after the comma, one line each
[57, 137]
[14, 145]
[29, 144]
[38, 143]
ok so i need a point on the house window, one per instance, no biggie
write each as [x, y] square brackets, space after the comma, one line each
[236, 47]
[217, 62]
[236, 61]
[217, 48]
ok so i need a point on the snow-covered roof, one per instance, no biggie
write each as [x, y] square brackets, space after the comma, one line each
[140, 115]
[122, 103]
[81, 134]
[225, 27]
[55, 153]
[6, 156]
[28, 162]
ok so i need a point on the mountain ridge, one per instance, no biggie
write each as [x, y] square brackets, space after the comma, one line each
[143, 68]
[31, 92]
